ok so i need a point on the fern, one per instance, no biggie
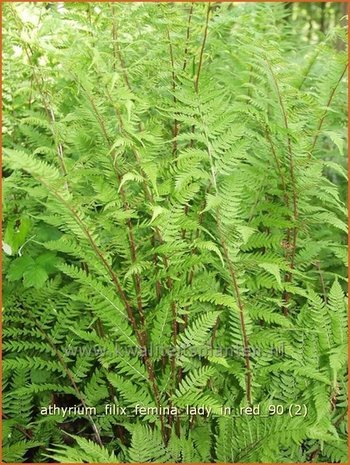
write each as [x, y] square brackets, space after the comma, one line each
[175, 229]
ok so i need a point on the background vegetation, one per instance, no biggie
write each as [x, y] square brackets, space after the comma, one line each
[175, 231]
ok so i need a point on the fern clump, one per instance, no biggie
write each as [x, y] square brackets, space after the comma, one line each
[175, 233]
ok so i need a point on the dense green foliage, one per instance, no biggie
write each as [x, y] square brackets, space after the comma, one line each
[175, 233]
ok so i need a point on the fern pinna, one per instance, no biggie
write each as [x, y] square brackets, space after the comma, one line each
[175, 234]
